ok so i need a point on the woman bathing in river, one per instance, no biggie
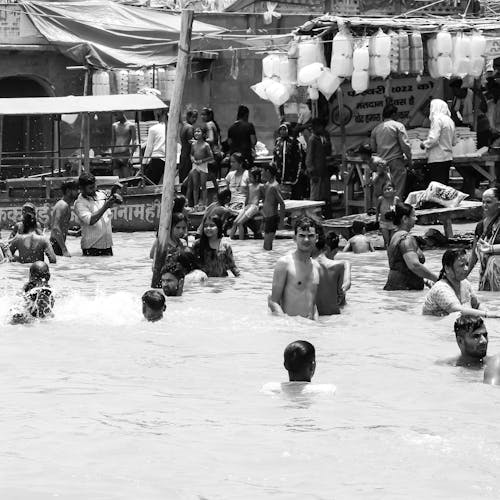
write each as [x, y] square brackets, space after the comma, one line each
[406, 259]
[486, 246]
[215, 256]
[453, 292]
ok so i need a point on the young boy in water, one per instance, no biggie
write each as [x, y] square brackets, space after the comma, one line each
[153, 305]
[38, 299]
[272, 199]
[359, 243]
[334, 276]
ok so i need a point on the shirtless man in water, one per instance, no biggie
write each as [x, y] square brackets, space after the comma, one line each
[29, 245]
[123, 139]
[61, 217]
[296, 276]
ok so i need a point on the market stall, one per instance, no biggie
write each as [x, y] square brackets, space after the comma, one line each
[347, 69]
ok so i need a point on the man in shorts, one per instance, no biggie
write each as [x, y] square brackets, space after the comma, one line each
[272, 200]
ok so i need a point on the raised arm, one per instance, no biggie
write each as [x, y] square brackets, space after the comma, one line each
[49, 252]
[279, 282]
[86, 216]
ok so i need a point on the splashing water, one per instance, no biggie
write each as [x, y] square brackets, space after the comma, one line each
[97, 403]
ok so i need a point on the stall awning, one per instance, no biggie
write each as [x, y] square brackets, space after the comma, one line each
[79, 104]
[108, 35]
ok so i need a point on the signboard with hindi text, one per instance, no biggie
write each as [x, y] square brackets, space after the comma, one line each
[362, 112]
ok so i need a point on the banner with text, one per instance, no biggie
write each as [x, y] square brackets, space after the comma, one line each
[362, 112]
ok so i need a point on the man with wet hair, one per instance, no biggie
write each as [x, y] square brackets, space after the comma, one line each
[172, 279]
[300, 361]
[61, 216]
[153, 305]
[472, 340]
[334, 276]
[296, 276]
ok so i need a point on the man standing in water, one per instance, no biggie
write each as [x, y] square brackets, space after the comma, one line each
[92, 208]
[123, 140]
[61, 216]
[334, 276]
[296, 276]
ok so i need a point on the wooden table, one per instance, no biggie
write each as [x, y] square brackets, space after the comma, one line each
[467, 210]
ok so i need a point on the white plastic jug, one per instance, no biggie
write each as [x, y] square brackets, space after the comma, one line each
[360, 81]
[328, 83]
[404, 53]
[461, 55]
[394, 51]
[342, 50]
[361, 57]
[416, 53]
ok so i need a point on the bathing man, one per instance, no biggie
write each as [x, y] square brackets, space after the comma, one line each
[296, 276]
[61, 216]
[472, 339]
[123, 140]
[92, 207]
[334, 276]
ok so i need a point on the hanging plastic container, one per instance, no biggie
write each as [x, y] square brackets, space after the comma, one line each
[100, 83]
[477, 52]
[122, 81]
[380, 53]
[261, 88]
[309, 74]
[313, 93]
[166, 79]
[360, 81]
[404, 53]
[461, 55]
[361, 57]
[444, 43]
[277, 93]
[416, 53]
[272, 65]
[394, 51]
[310, 52]
[439, 49]
[342, 50]
[328, 83]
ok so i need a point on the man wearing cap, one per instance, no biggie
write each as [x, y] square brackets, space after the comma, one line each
[19, 227]
[92, 208]
[390, 141]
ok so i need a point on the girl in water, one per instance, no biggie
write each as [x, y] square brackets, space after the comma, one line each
[214, 255]
[201, 156]
[255, 195]
[386, 203]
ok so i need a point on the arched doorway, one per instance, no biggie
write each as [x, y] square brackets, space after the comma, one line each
[25, 135]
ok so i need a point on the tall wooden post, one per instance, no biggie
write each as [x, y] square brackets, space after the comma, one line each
[340, 102]
[84, 132]
[171, 144]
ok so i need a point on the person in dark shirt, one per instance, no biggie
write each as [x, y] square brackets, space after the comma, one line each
[186, 137]
[241, 135]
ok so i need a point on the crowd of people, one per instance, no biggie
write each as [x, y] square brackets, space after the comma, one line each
[311, 281]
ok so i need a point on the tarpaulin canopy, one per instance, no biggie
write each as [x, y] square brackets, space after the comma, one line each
[109, 35]
[79, 104]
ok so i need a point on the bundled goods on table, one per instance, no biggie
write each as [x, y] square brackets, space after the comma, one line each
[359, 57]
[466, 145]
[436, 194]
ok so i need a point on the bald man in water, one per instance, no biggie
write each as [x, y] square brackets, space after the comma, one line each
[296, 276]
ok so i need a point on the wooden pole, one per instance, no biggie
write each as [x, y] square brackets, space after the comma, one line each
[171, 145]
[83, 131]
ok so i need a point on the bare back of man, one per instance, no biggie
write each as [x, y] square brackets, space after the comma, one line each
[61, 217]
[31, 247]
[359, 243]
[330, 294]
[295, 284]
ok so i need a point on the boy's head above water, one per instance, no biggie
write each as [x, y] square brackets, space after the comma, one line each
[153, 305]
[39, 271]
[358, 227]
[300, 361]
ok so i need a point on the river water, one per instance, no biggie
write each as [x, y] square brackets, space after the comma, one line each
[98, 404]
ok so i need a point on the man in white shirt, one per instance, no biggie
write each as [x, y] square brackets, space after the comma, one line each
[92, 208]
[154, 155]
